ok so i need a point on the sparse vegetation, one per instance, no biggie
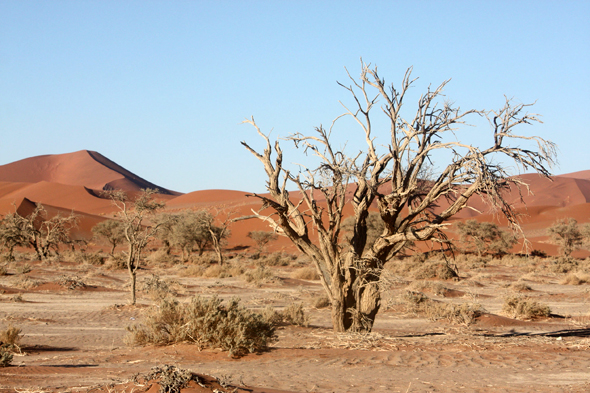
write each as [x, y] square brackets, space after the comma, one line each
[206, 323]
[520, 307]
[484, 237]
[262, 238]
[306, 273]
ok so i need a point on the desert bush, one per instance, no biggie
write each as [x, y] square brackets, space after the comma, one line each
[18, 298]
[437, 269]
[157, 288]
[10, 336]
[9, 343]
[116, 261]
[290, 315]
[295, 315]
[576, 279]
[428, 286]
[3, 271]
[275, 259]
[484, 237]
[321, 301]
[460, 314]
[258, 276]
[420, 304]
[524, 308]
[206, 323]
[23, 269]
[563, 264]
[24, 282]
[306, 273]
[71, 282]
[161, 258]
[192, 271]
[170, 378]
[520, 286]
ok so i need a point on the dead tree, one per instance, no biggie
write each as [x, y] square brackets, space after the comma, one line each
[138, 232]
[390, 177]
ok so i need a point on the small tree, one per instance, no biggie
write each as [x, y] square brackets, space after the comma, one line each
[43, 233]
[112, 231]
[568, 235]
[262, 238]
[217, 232]
[485, 237]
[11, 234]
[390, 179]
[138, 231]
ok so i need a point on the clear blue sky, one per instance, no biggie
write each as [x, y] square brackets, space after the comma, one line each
[161, 87]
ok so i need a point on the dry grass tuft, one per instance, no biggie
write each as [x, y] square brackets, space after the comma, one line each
[460, 314]
[576, 279]
[438, 269]
[520, 286]
[321, 301]
[206, 323]
[259, 276]
[306, 273]
[290, 315]
[435, 288]
[9, 340]
[276, 259]
[71, 282]
[520, 307]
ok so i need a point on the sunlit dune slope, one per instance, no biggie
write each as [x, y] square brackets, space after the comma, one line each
[85, 221]
[82, 168]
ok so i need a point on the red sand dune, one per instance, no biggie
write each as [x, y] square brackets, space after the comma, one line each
[82, 168]
[72, 182]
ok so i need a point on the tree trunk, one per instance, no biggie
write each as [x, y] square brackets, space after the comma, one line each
[133, 277]
[356, 297]
[113, 249]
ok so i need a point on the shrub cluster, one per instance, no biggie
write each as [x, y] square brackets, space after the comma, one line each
[521, 307]
[206, 323]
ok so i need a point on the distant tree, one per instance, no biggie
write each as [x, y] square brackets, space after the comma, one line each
[216, 223]
[167, 225]
[568, 235]
[44, 234]
[11, 235]
[112, 231]
[484, 237]
[262, 238]
[134, 214]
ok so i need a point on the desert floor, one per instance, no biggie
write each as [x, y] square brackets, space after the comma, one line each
[74, 335]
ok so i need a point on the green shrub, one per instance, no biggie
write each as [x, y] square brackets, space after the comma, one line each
[206, 323]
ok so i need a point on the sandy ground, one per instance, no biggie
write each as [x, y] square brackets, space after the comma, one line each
[74, 338]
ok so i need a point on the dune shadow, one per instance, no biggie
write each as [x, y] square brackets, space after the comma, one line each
[47, 348]
[557, 333]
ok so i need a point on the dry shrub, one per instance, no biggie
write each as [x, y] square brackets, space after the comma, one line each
[71, 282]
[24, 282]
[520, 307]
[203, 260]
[520, 286]
[321, 301]
[23, 269]
[170, 378]
[563, 265]
[259, 276]
[92, 258]
[306, 273]
[437, 269]
[117, 261]
[9, 340]
[156, 288]
[290, 315]
[576, 279]
[3, 271]
[222, 271]
[276, 259]
[461, 314]
[206, 323]
[161, 258]
[472, 261]
[193, 271]
[18, 298]
[428, 286]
